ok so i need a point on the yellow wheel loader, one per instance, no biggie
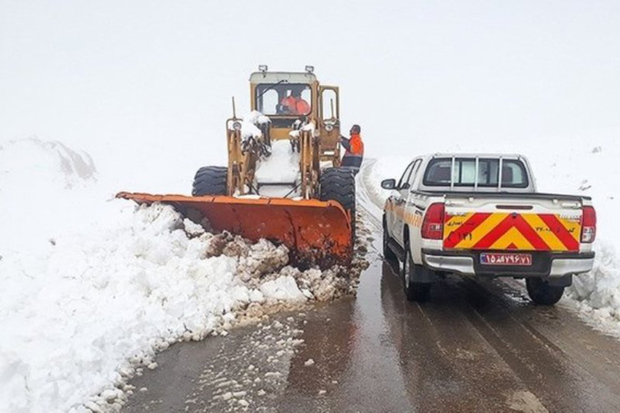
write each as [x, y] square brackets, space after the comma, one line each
[283, 181]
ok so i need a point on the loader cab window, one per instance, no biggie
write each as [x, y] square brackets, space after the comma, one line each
[286, 99]
[269, 99]
[329, 101]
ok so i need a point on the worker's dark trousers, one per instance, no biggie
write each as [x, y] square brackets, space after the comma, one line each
[353, 162]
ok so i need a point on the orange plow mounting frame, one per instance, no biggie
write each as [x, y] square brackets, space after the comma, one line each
[315, 232]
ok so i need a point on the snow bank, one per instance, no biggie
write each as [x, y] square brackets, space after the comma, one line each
[104, 298]
[380, 169]
[596, 295]
[49, 161]
[97, 292]
[601, 287]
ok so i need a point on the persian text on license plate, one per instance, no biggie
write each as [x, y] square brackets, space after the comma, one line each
[505, 259]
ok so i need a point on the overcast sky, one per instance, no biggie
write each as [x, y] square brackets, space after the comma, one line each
[136, 83]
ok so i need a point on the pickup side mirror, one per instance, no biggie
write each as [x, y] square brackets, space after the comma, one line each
[388, 184]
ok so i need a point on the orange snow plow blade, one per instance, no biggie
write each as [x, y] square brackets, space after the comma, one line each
[315, 232]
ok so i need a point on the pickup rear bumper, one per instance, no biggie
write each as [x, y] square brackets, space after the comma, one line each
[544, 264]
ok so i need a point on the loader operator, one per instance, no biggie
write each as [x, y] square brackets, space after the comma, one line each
[294, 104]
[354, 149]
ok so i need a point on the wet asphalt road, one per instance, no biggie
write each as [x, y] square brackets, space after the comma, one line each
[474, 347]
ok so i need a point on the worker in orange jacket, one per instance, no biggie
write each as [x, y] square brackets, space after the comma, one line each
[295, 104]
[354, 149]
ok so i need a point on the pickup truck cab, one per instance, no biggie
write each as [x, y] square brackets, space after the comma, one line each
[481, 216]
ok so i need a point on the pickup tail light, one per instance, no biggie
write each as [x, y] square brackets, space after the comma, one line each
[432, 226]
[588, 225]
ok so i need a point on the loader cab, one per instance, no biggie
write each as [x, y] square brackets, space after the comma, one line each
[278, 100]
[285, 98]
[288, 97]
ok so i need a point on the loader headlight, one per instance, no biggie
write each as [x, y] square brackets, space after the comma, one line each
[236, 125]
[329, 127]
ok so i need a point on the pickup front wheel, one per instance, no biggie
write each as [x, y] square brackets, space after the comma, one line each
[414, 291]
[388, 254]
[541, 292]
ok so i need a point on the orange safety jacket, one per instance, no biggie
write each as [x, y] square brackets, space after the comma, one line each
[302, 107]
[297, 106]
[354, 151]
[356, 145]
[289, 102]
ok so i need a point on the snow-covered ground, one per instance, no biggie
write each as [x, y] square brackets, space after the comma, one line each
[93, 286]
[573, 168]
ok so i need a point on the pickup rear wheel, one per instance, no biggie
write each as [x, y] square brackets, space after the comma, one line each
[542, 293]
[414, 291]
[388, 254]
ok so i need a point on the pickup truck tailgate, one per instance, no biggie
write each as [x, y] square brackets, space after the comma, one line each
[501, 225]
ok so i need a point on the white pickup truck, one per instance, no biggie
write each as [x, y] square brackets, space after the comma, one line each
[481, 216]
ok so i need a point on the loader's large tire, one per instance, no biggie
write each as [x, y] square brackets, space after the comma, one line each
[338, 184]
[210, 180]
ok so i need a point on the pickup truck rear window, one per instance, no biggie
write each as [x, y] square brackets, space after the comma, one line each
[439, 171]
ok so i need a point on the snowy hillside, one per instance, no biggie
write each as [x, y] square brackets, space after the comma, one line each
[579, 170]
[92, 286]
[40, 185]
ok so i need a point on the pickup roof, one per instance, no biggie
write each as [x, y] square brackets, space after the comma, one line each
[481, 216]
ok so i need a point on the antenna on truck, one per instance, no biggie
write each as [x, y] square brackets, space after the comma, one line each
[500, 173]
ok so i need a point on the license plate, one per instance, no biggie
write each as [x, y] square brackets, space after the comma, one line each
[505, 259]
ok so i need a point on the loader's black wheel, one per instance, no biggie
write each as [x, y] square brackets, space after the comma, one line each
[210, 180]
[338, 184]
[541, 292]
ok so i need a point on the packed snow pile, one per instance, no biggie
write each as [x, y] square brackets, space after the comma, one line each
[596, 295]
[578, 170]
[108, 287]
[281, 167]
